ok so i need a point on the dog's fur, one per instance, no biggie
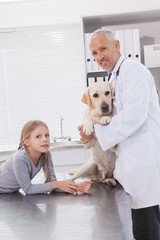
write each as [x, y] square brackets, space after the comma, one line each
[100, 166]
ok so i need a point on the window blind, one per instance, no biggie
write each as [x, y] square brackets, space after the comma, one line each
[41, 77]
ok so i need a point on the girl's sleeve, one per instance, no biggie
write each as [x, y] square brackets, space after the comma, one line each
[22, 173]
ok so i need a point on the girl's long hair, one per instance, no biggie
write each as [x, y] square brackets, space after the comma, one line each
[25, 134]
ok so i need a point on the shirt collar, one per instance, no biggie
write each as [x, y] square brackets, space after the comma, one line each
[116, 68]
[120, 60]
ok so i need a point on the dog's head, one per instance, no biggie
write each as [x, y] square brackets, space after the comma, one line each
[99, 97]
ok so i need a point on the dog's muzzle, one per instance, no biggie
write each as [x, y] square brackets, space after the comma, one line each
[105, 108]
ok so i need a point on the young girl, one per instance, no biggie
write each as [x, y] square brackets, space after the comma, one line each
[32, 155]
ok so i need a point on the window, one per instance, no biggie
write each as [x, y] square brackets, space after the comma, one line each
[41, 77]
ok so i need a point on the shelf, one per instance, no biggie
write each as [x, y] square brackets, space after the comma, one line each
[97, 74]
[90, 23]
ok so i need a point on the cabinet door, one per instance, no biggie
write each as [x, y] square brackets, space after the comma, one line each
[66, 158]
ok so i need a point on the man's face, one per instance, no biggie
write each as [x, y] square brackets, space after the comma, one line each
[105, 52]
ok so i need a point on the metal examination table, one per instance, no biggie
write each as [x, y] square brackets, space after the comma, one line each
[100, 215]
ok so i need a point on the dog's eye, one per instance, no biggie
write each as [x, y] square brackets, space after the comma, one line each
[107, 93]
[96, 95]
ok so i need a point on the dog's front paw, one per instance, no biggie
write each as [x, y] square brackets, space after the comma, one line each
[105, 120]
[111, 182]
[88, 129]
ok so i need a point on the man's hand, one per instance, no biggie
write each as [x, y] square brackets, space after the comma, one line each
[84, 138]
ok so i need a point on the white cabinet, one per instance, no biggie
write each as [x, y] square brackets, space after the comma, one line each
[66, 158]
[152, 56]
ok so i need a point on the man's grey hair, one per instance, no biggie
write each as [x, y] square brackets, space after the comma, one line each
[109, 34]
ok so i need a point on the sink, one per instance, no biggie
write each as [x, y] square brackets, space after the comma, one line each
[72, 143]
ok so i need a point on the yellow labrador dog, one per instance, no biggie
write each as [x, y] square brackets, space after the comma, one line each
[100, 166]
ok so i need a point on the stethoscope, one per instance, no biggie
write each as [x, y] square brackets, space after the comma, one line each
[117, 72]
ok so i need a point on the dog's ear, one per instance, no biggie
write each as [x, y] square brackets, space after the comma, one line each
[86, 98]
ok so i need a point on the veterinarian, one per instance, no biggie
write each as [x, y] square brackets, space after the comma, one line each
[135, 129]
[33, 154]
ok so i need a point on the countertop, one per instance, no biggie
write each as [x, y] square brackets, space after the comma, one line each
[74, 143]
[66, 144]
[103, 214]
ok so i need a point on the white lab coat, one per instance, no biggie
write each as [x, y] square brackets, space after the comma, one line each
[135, 127]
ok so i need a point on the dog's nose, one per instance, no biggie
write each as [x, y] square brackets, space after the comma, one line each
[105, 107]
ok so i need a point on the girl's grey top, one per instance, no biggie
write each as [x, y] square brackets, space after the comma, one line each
[18, 171]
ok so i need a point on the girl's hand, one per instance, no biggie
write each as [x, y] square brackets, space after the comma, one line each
[66, 186]
[84, 186]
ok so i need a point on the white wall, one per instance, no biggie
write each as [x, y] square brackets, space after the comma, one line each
[41, 12]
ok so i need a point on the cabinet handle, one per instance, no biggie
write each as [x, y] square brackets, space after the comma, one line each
[156, 48]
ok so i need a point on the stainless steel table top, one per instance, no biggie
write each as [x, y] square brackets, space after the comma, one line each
[100, 215]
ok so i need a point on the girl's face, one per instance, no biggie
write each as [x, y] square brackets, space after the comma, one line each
[39, 140]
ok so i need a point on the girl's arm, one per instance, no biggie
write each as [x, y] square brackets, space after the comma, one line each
[23, 170]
